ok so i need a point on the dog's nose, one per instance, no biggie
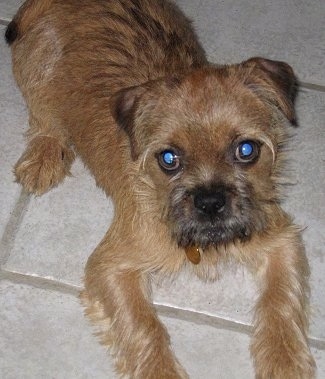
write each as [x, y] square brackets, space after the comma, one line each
[210, 203]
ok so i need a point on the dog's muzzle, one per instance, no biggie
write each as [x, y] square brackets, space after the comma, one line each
[210, 215]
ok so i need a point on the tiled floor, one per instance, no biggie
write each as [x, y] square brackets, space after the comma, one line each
[45, 241]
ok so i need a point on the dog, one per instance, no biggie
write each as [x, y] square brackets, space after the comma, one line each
[192, 155]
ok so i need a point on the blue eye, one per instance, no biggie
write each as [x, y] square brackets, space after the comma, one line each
[247, 151]
[169, 160]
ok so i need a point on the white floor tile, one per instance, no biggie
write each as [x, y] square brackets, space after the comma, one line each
[44, 335]
[61, 229]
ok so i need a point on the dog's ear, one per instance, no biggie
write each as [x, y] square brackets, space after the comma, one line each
[127, 106]
[133, 110]
[123, 107]
[274, 81]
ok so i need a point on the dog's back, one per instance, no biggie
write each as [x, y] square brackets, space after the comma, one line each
[149, 38]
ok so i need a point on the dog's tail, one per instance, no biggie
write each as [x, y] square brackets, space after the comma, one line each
[26, 16]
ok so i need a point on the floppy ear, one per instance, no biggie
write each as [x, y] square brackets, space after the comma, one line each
[132, 109]
[125, 108]
[275, 81]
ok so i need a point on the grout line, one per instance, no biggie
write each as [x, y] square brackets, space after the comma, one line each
[200, 318]
[4, 21]
[312, 86]
[187, 315]
[40, 282]
[12, 227]
[316, 343]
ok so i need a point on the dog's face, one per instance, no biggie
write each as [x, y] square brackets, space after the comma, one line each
[207, 147]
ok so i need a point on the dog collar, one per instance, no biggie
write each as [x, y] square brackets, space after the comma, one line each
[193, 254]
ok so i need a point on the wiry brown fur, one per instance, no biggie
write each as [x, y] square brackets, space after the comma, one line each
[118, 82]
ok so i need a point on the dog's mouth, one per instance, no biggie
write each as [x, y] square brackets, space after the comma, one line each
[212, 238]
[204, 236]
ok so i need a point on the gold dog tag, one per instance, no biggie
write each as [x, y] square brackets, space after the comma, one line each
[193, 254]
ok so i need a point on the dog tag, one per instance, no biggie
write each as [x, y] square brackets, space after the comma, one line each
[193, 254]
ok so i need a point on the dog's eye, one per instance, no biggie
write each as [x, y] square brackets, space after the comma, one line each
[169, 160]
[247, 151]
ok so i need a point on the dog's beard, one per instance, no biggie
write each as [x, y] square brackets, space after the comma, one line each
[194, 233]
[190, 228]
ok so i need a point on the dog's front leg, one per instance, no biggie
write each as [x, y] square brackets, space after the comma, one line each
[117, 299]
[280, 348]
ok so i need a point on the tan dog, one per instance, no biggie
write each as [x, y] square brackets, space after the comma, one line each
[191, 154]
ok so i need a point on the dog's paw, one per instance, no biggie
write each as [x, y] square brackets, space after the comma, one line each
[43, 165]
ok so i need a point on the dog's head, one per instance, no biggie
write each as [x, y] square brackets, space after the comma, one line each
[209, 145]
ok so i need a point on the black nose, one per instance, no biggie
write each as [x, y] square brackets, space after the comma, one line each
[210, 202]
